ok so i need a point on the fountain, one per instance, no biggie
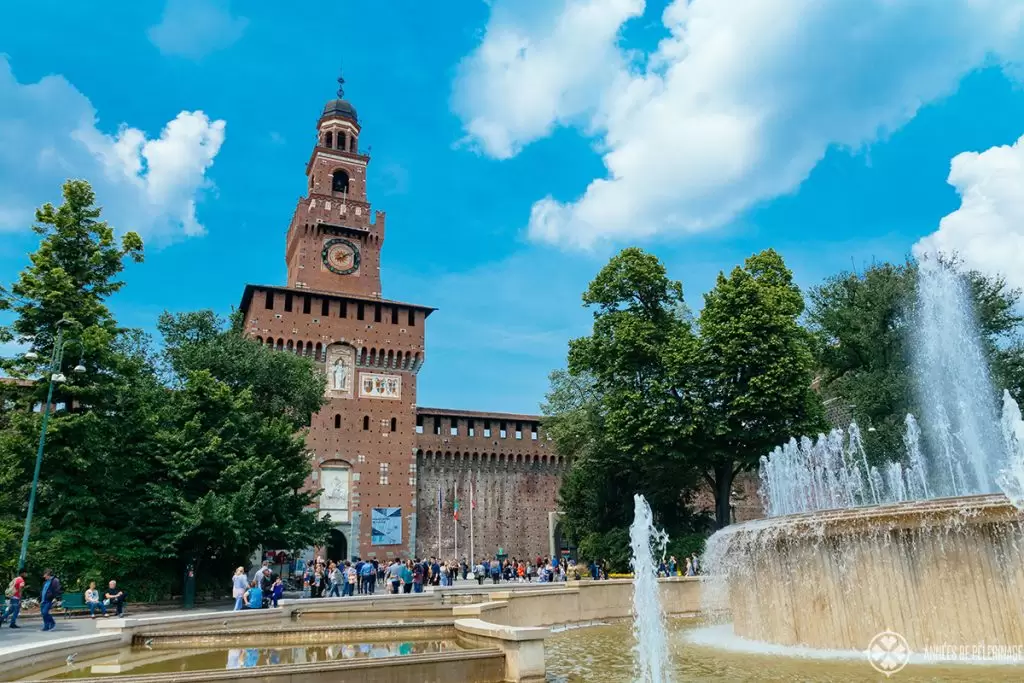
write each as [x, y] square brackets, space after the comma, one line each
[651, 656]
[925, 546]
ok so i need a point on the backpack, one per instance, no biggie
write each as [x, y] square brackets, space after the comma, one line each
[10, 588]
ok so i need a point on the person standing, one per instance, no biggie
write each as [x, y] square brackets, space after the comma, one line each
[369, 576]
[395, 575]
[51, 593]
[417, 577]
[238, 585]
[350, 580]
[695, 561]
[407, 576]
[13, 593]
[337, 579]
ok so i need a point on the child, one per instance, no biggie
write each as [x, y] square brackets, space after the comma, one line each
[277, 591]
[254, 596]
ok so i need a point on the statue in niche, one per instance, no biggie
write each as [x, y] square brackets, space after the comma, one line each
[336, 490]
[340, 375]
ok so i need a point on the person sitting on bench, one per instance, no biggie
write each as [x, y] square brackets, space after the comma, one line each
[92, 601]
[115, 598]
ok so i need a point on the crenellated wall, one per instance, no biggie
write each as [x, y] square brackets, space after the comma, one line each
[514, 483]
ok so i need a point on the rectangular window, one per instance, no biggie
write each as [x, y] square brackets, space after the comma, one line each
[325, 308]
[502, 432]
[437, 426]
[454, 429]
[288, 303]
[383, 480]
[419, 424]
[306, 305]
[533, 432]
[412, 318]
[394, 315]
[487, 429]
[471, 428]
[412, 481]
[376, 313]
[360, 311]
[270, 301]
[343, 309]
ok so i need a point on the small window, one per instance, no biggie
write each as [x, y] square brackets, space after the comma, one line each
[376, 313]
[533, 432]
[470, 428]
[343, 309]
[502, 432]
[366, 423]
[383, 480]
[487, 429]
[306, 305]
[453, 430]
[339, 181]
[412, 318]
[394, 424]
[270, 301]
[325, 308]
[337, 421]
[288, 303]
[360, 311]
[394, 315]
[419, 424]
[437, 425]
[341, 141]
[329, 139]
[519, 430]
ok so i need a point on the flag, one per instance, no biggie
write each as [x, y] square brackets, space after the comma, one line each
[456, 505]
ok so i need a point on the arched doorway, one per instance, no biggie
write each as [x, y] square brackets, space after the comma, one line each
[337, 546]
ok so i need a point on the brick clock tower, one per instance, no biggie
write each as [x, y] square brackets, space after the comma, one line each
[363, 442]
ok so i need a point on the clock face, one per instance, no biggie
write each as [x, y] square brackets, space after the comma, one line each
[340, 256]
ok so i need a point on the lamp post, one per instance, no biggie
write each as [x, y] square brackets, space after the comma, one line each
[56, 376]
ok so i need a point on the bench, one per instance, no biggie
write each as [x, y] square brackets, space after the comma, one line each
[72, 602]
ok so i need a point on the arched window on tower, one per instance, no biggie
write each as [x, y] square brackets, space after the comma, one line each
[329, 139]
[337, 421]
[341, 141]
[394, 424]
[339, 181]
[366, 422]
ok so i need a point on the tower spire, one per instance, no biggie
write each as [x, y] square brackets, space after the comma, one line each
[341, 86]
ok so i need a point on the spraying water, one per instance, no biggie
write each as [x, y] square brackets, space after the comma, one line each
[651, 655]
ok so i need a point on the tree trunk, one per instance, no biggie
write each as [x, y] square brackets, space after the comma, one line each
[723, 494]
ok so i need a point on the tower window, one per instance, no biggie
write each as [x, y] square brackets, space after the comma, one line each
[270, 301]
[306, 304]
[394, 315]
[502, 432]
[352, 144]
[337, 421]
[288, 303]
[471, 428]
[412, 318]
[394, 424]
[360, 311]
[366, 423]
[339, 181]
[419, 424]
[325, 308]
[376, 313]
[329, 139]
[341, 141]
[344, 309]
[437, 426]
[487, 429]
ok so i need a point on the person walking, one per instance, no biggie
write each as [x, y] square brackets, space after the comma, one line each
[51, 593]
[350, 580]
[239, 583]
[13, 593]
[93, 602]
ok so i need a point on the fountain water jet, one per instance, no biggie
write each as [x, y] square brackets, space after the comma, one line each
[651, 654]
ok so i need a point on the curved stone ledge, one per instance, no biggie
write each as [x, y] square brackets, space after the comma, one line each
[942, 572]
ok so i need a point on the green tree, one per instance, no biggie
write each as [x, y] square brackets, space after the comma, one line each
[862, 323]
[230, 447]
[757, 368]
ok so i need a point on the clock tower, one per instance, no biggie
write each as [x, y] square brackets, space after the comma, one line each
[334, 243]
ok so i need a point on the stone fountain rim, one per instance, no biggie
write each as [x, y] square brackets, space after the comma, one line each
[933, 512]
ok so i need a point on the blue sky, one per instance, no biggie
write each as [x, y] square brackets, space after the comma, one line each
[825, 130]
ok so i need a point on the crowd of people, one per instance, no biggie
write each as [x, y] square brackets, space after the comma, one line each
[51, 595]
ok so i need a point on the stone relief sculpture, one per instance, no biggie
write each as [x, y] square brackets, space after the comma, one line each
[373, 385]
[340, 376]
[335, 493]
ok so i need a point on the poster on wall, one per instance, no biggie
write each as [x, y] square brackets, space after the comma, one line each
[386, 526]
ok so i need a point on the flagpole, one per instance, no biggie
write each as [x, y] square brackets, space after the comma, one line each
[456, 515]
[472, 504]
[439, 523]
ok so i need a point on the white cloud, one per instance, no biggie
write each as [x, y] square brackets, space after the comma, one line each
[735, 107]
[988, 229]
[195, 28]
[48, 133]
[536, 68]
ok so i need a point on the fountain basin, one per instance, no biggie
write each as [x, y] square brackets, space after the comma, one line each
[944, 573]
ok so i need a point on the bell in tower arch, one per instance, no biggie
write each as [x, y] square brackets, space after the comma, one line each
[339, 181]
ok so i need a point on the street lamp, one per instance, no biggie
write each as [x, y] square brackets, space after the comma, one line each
[56, 360]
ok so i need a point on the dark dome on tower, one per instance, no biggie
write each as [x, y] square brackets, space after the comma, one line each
[341, 108]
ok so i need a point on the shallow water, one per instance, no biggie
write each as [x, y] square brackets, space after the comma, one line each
[139, 660]
[603, 654]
